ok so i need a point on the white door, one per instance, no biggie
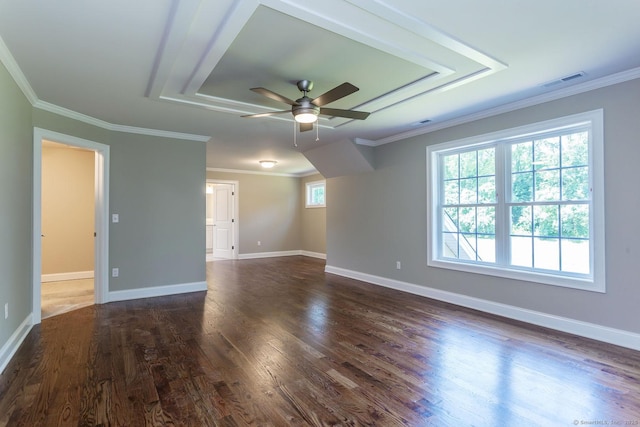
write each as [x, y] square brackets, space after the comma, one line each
[223, 220]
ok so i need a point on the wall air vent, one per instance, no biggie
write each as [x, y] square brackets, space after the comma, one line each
[565, 79]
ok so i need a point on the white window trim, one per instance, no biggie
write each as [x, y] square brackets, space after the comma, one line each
[596, 165]
[307, 194]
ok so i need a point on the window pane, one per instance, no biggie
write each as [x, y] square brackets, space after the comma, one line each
[468, 190]
[575, 183]
[468, 247]
[450, 167]
[522, 157]
[486, 248]
[575, 256]
[546, 153]
[487, 162]
[546, 253]
[521, 251]
[575, 221]
[522, 187]
[521, 220]
[450, 219]
[468, 164]
[487, 189]
[486, 220]
[450, 245]
[467, 220]
[575, 149]
[545, 221]
[547, 185]
[451, 192]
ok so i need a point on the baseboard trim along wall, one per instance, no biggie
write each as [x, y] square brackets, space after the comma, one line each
[9, 349]
[564, 324]
[73, 275]
[156, 291]
[282, 253]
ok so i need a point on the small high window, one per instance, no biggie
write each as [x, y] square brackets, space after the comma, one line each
[315, 194]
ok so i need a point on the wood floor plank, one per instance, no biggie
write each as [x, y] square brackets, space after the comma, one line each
[278, 342]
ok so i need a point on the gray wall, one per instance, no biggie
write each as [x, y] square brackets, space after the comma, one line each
[157, 187]
[313, 221]
[377, 218]
[16, 153]
[272, 211]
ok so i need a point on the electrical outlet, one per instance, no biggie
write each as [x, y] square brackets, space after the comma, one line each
[259, 242]
[115, 218]
[115, 272]
[398, 265]
[6, 310]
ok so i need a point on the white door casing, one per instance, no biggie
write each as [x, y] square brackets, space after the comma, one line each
[101, 261]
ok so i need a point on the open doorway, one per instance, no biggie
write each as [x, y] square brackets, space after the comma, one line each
[69, 267]
[68, 206]
[221, 220]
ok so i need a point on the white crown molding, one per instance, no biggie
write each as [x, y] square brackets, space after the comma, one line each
[247, 172]
[14, 70]
[584, 329]
[65, 112]
[18, 76]
[602, 82]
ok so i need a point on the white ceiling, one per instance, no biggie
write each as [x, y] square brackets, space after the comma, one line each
[186, 66]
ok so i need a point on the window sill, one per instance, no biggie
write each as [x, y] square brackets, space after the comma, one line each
[527, 276]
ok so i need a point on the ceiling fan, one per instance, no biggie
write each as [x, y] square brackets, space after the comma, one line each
[306, 110]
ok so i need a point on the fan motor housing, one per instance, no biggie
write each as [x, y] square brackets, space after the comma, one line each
[305, 106]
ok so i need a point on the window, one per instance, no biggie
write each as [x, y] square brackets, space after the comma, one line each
[525, 203]
[315, 194]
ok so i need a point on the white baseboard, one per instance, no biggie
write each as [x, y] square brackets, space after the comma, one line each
[564, 324]
[72, 275]
[11, 346]
[156, 291]
[314, 254]
[282, 253]
[268, 254]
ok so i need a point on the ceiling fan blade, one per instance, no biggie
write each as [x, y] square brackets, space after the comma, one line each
[270, 94]
[348, 114]
[270, 113]
[306, 126]
[336, 93]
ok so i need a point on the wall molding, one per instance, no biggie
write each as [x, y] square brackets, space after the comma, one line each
[156, 291]
[72, 275]
[584, 329]
[10, 348]
[314, 254]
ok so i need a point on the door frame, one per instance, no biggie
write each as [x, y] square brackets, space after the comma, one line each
[235, 228]
[101, 244]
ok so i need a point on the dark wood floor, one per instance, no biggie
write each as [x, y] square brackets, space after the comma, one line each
[277, 342]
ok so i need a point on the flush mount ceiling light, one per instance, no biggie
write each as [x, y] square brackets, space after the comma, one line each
[267, 164]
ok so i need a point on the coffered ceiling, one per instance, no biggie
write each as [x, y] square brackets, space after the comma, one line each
[186, 67]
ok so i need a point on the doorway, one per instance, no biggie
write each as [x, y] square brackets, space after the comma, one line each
[68, 206]
[221, 222]
[100, 215]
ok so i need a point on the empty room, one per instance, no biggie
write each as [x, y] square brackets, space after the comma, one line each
[348, 212]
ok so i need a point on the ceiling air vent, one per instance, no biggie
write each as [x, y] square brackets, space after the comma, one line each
[565, 79]
[422, 122]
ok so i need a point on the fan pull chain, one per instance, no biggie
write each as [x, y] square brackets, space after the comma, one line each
[295, 143]
[317, 132]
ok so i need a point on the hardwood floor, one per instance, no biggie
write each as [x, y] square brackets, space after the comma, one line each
[64, 296]
[277, 342]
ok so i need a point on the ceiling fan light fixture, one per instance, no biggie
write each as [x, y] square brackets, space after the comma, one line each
[306, 118]
[267, 164]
